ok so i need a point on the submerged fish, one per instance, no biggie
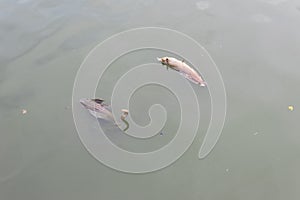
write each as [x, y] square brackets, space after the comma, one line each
[100, 110]
[183, 68]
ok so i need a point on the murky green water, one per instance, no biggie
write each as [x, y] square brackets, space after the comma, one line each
[256, 46]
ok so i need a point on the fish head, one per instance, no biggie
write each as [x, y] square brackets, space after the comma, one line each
[163, 60]
[88, 103]
[83, 101]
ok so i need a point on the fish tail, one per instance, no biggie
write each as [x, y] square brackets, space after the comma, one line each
[203, 84]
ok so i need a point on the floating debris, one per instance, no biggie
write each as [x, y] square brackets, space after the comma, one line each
[23, 111]
[291, 108]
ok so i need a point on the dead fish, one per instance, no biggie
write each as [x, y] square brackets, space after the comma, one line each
[183, 68]
[97, 108]
[100, 110]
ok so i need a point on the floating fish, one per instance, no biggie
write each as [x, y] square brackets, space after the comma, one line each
[183, 68]
[100, 110]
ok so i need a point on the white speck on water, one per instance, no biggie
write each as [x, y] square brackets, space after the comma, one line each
[260, 18]
[202, 5]
[227, 170]
[24, 111]
[256, 133]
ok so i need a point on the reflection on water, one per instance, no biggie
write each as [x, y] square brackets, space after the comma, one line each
[255, 45]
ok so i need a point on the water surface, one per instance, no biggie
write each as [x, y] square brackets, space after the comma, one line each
[256, 46]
